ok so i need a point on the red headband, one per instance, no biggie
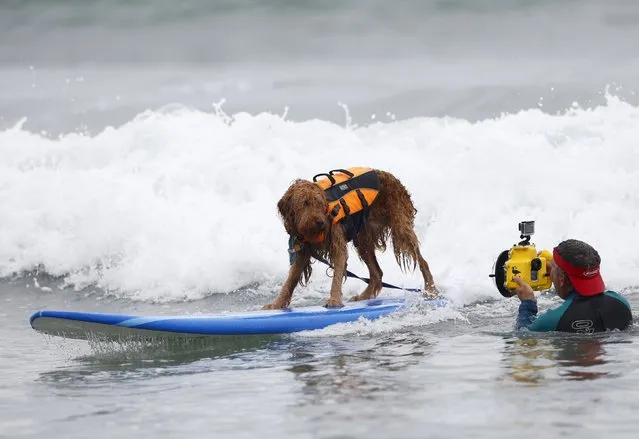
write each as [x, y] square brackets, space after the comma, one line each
[586, 281]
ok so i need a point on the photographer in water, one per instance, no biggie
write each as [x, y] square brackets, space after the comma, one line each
[587, 306]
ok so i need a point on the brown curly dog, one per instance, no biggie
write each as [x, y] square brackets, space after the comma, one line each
[304, 211]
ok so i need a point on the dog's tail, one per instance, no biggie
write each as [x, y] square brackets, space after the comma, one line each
[401, 212]
[405, 247]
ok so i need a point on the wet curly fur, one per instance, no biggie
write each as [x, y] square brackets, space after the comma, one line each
[303, 209]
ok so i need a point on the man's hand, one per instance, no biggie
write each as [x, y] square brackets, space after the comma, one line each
[523, 291]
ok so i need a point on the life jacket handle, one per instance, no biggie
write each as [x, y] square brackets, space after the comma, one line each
[331, 173]
[343, 171]
[330, 177]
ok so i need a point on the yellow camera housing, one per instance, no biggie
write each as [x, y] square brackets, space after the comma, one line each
[525, 261]
[531, 266]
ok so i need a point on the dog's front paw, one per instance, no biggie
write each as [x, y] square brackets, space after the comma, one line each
[274, 305]
[334, 303]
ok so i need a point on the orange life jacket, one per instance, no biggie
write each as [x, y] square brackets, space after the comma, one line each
[350, 194]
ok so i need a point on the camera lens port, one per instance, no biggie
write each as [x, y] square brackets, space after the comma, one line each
[535, 264]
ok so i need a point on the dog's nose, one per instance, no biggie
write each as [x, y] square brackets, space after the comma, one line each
[320, 224]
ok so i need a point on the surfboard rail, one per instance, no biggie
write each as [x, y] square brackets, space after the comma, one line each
[76, 324]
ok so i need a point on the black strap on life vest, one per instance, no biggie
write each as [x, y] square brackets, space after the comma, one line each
[350, 227]
[334, 212]
[365, 207]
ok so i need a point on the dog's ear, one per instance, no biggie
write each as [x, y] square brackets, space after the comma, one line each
[284, 206]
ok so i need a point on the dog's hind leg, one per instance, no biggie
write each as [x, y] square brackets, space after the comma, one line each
[429, 284]
[399, 214]
[283, 299]
[366, 251]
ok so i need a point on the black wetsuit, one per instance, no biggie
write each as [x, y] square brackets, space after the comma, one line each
[602, 312]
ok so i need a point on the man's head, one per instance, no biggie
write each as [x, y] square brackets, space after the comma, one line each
[576, 267]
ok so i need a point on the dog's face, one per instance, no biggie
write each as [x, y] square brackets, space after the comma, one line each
[304, 210]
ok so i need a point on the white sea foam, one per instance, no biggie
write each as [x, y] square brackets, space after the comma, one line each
[411, 317]
[178, 204]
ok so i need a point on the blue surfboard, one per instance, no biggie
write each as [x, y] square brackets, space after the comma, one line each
[82, 325]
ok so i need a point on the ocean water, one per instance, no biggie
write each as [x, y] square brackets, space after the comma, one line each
[144, 146]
